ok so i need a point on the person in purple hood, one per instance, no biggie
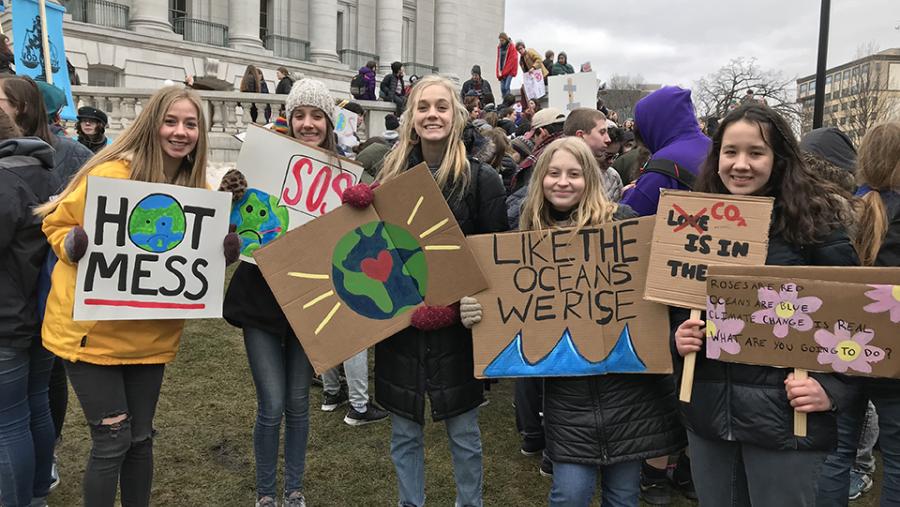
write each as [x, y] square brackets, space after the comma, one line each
[667, 125]
[368, 73]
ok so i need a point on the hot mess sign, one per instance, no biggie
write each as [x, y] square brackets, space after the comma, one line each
[154, 252]
[289, 184]
[696, 230]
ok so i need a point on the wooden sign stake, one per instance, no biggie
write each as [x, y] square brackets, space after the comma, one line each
[687, 373]
[800, 417]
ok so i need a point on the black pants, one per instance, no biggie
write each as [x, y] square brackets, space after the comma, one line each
[529, 396]
[59, 395]
[121, 453]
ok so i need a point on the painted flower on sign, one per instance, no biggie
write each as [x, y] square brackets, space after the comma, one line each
[785, 309]
[887, 299]
[846, 351]
[721, 333]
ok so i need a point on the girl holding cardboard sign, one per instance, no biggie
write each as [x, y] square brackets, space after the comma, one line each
[434, 357]
[634, 415]
[740, 419]
[878, 243]
[116, 366]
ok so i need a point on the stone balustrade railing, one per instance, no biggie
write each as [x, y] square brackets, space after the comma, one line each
[227, 113]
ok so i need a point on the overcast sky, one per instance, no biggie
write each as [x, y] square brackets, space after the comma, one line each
[677, 42]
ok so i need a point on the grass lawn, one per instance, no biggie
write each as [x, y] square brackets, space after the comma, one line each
[204, 449]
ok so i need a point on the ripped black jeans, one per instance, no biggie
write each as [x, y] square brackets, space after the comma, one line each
[121, 453]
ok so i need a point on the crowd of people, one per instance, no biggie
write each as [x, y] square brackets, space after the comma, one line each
[507, 166]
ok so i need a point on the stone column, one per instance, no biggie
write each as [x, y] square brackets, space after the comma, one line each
[150, 16]
[445, 35]
[323, 30]
[389, 32]
[243, 20]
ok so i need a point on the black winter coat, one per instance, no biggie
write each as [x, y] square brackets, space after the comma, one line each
[26, 180]
[284, 86]
[747, 403]
[412, 363]
[608, 419]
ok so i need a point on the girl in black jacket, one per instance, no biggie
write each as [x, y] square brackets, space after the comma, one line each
[878, 243]
[739, 421]
[434, 357]
[600, 423]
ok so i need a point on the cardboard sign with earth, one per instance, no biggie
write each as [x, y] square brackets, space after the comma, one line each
[829, 319]
[352, 277]
[154, 252]
[564, 303]
[288, 184]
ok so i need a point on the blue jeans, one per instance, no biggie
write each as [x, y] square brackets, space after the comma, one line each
[26, 429]
[889, 437]
[504, 87]
[357, 371]
[282, 374]
[408, 454]
[834, 483]
[574, 484]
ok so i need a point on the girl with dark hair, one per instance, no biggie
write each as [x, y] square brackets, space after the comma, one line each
[7, 59]
[740, 419]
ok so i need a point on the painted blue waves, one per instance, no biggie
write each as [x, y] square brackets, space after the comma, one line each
[565, 360]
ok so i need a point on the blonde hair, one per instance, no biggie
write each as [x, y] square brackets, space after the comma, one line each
[593, 209]
[140, 145]
[878, 166]
[454, 168]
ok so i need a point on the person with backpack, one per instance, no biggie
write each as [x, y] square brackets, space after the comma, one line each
[393, 88]
[666, 124]
[362, 86]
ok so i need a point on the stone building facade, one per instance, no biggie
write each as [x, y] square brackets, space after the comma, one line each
[139, 44]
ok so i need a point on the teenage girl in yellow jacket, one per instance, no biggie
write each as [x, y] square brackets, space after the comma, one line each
[116, 367]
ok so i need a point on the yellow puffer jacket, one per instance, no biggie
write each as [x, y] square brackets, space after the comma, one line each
[108, 342]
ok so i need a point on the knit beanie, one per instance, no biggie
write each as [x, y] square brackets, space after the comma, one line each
[281, 125]
[310, 92]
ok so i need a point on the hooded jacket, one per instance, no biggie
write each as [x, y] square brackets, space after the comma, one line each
[370, 79]
[413, 363]
[26, 180]
[507, 61]
[832, 145]
[106, 342]
[68, 157]
[670, 131]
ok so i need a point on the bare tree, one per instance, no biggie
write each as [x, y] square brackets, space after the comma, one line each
[621, 93]
[625, 82]
[723, 90]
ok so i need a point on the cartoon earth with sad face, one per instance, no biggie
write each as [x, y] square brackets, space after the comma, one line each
[157, 223]
[258, 220]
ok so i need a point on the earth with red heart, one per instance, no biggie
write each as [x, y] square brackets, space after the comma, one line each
[379, 270]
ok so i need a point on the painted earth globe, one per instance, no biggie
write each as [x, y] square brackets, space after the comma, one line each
[157, 223]
[258, 219]
[379, 270]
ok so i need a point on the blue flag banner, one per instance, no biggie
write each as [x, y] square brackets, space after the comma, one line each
[29, 53]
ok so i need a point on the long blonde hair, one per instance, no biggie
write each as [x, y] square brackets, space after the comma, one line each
[140, 145]
[594, 208]
[454, 167]
[878, 166]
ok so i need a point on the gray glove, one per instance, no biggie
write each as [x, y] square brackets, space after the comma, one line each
[469, 311]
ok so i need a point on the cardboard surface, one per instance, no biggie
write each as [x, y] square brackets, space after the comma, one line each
[571, 91]
[289, 184]
[830, 319]
[154, 252]
[346, 281]
[695, 231]
[563, 306]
